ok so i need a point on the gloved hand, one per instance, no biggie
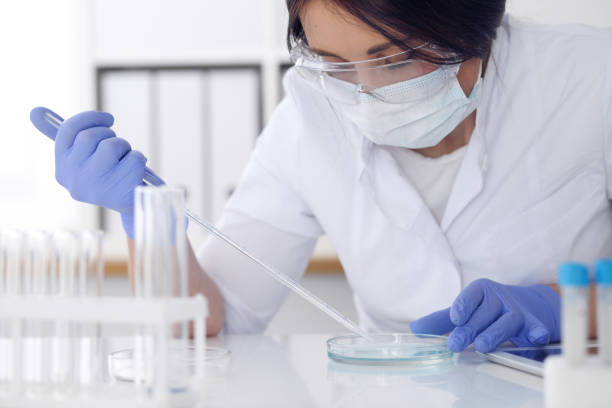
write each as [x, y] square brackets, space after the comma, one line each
[97, 167]
[488, 313]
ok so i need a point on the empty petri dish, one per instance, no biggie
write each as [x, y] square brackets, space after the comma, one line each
[389, 348]
[121, 363]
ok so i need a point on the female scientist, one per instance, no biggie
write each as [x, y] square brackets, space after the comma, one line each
[453, 155]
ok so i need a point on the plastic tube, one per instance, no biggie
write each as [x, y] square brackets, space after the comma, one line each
[65, 355]
[160, 270]
[574, 283]
[604, 309]
[90, 280]
[13, 263]
[37, 334]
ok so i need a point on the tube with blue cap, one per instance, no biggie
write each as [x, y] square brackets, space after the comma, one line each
[574, 283]
[603, 276]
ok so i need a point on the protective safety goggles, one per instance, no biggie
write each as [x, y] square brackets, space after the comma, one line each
[354, 82]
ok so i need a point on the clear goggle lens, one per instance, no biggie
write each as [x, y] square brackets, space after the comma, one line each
[348, 82]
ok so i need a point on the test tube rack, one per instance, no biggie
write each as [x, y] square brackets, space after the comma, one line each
[566, 385]
[576, 378]
[157, 314]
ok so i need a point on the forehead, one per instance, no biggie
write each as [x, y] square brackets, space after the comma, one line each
[333, 29]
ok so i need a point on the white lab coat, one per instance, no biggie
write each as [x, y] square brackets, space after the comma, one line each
[533, 189]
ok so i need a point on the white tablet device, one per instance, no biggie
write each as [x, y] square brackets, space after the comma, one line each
[527, 359]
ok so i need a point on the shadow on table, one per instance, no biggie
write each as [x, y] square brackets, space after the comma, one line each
[466, 381]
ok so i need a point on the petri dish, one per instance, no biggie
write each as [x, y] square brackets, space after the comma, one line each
[390, 349]
[121, 363]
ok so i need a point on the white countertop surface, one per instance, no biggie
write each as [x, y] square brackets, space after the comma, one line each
[294, 371]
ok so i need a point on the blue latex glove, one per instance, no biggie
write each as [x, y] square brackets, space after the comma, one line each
[97, 167]
[488, 313]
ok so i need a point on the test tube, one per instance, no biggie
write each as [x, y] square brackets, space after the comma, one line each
[160, 270]
[38, 263]
[574, 283]
[90, 280]
[12, 262]
[65, 268]
[36, 284]
[160, 263]
[604, 309]
[13, 245]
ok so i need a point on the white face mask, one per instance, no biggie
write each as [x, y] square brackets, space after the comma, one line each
[418, 124]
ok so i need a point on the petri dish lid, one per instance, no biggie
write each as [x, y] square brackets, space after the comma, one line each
[390, 348]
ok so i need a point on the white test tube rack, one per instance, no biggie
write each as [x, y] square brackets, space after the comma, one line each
[574, 378]
[158, 314]
[566, 385]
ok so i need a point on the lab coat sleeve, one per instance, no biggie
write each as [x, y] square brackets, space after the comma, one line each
[607, 104]
[270, 189]
[268, 215]
[251, 297]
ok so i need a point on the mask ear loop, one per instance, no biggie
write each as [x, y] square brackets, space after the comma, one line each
[479, 78]
[362, 89]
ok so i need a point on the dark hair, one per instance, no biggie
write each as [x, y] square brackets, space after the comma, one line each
[465, 28]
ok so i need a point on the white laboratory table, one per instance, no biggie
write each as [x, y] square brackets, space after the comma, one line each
[294, 371]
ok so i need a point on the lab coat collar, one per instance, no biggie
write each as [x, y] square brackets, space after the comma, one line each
[392, 192]
[398, 199]
[469, 181]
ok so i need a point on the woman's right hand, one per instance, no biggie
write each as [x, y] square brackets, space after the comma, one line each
[96, 166]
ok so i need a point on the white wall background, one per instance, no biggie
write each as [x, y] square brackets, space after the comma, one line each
[593, 12]
[49, 50]
[41, 65]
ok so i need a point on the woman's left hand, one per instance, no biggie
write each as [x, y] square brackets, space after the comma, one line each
[488, 313]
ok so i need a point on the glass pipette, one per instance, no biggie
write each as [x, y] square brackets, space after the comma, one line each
[152, 179]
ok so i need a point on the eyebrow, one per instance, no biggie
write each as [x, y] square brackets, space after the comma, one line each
[379, 48]
[324, 53]
[372, 50]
